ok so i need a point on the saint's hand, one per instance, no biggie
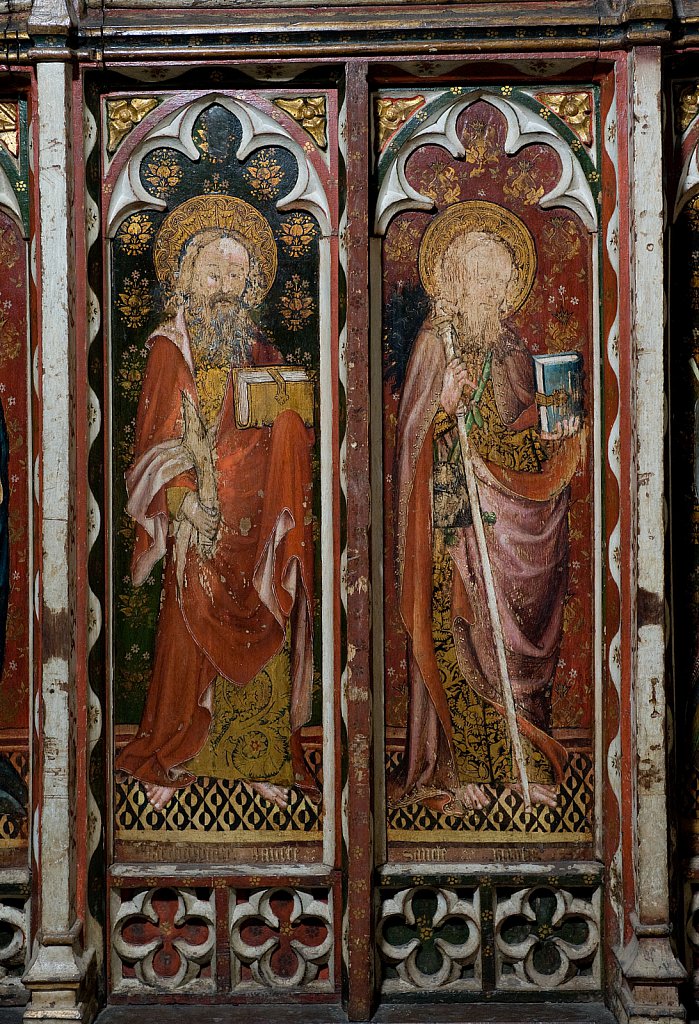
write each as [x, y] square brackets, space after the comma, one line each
[564, 428]
[456, 378]
[204, 520]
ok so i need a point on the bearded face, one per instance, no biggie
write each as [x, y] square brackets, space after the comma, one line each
[220, 329]
[474, 281]
[213, 285]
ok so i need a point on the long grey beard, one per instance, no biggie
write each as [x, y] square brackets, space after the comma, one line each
[477, 333]
[219, 333]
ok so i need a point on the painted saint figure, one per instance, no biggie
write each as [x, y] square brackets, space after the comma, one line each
[4, 535]
[477, 264]
[229, 510]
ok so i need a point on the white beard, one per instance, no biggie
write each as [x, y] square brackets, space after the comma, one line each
[220, 332]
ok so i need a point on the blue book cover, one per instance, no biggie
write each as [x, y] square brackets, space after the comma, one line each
[559, 388]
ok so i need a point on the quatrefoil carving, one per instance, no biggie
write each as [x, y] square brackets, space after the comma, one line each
[167, 936]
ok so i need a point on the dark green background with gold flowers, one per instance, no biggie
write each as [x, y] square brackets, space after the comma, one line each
[289, 317]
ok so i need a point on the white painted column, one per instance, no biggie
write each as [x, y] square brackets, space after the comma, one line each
[58, 968]
[650, 969]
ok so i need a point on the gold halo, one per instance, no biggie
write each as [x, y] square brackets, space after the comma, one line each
[490, 219]
[227, 213]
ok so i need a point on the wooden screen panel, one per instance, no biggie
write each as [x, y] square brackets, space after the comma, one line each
[488, 216]
[219, 215]
[16, 534]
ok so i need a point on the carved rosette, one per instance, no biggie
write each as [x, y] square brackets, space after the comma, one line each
[574, 108]
[282, 939]
[392, 113]
[164, 940]
[547, 939]
[430, 939]
[9, 127]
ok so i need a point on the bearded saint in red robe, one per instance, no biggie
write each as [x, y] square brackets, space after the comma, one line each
[228, 509]
[523, 475]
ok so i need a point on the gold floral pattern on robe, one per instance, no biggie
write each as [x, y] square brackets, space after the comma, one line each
[250, 735]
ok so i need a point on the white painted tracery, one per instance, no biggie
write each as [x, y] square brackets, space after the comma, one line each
[524, 128]
[174, 131]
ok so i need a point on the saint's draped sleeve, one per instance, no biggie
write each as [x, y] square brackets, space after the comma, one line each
[161, 462]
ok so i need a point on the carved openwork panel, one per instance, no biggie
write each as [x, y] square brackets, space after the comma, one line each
[458, 935]
[163, 940]
[281, 939]
[430, 938]
[223, 941]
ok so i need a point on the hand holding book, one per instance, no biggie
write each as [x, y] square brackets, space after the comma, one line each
[566, 427]
[558, 380]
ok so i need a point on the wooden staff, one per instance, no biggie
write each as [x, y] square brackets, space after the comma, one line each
[464, 422]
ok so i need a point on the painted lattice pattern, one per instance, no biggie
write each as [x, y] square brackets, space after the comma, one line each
[568, 820]
[213, 806]
[13, 824]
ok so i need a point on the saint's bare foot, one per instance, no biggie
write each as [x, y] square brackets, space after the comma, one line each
[275, 794]
[159, 796]
[540, 793]
[470, 798]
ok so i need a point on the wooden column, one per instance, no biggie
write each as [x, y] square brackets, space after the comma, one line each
[57, 973]
[358, 828]
[650, 970]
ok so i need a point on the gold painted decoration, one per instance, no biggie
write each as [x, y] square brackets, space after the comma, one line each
[392, 113]
[440, 183]
[9, 127]
[297, 233]
[575, 108]
[265, 175]
[402, 242]
[296, 304]
[134, 301]
[216, 184]
[310, 113]
[124, 115]
[481, 147]
[163, 173]
[135, 234]
[688, 106]
[482, 217]
[523, 182]
[230, 215]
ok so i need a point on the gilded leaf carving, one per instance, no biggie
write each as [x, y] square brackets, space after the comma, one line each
[309, 112]
[688, 106]
[391, 114]
[575, 108]
[123, 115]
[9, 127]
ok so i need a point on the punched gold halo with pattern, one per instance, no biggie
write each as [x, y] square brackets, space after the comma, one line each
[476, 215]
[230, 215]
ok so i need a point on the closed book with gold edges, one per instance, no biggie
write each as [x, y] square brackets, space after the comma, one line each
[262, 392]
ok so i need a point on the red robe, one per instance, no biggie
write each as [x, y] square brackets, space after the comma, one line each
[528, 548]
[226, 614]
